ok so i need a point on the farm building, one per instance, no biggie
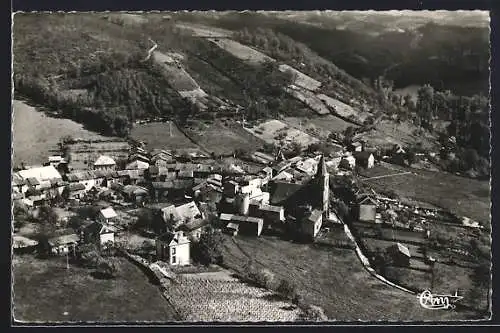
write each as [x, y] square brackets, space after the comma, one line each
[107, 215]
[173, 188]
[98, 233]
[186, 213]
[356, 147]
[364, 159]
[271, 215]
[284, 176]
[134, 193]
[193, 229]
[399, 254]
[348, 162]
[55, 160]
[41, 174]
[308, 166]
[139, 156]
[18, 183]
[248, 225]
[174, 247]
[231, 188]
[104, 162]
[64, 244]
[311, 224]
[22, 244]
[262, 158]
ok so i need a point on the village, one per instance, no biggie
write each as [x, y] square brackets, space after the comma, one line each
[156, 207]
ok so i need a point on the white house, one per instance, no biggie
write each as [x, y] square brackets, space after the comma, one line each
[99, 233]
[312, 224]
[104, 162]
[174, 247]
[107, 215]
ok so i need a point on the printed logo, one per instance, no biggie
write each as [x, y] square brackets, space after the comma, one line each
[438, 302]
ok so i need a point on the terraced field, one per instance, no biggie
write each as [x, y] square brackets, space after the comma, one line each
[241, 51]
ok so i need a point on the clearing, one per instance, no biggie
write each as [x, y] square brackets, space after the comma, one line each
[241, 51]
[45, 291]
[36, 135]
[199, 30]
[273, 131]
[332, 278]
[221, 297]
[161, 135]
[222, 138]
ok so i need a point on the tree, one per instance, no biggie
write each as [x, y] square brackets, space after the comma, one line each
[88, 255]
[286, 288]
[107, 267]
[48, 215]
[349, 135]
[209, 248]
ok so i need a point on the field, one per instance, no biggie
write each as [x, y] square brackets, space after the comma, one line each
[157, 135]
[462, 196]
[223, 139]
[178, 78]
[302, 80]
[341, 108]
[221, 297]
[269, 130]
[309, 99]
[323, 125]
[241, 51]
[84, 154]
[35, 134]
[203, 31]
[45, 291]
[332, 278]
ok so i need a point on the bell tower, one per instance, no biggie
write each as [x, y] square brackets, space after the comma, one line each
[323, 182]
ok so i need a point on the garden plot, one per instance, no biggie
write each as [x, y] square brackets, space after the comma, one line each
[309, 99]
[224, 298]
[85, 153]
[241, 51]
[274, 131]
[198, 30]
[302, 80]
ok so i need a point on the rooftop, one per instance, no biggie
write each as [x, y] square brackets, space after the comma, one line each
[104, 160]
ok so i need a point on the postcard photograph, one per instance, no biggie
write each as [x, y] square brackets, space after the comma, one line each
[251, 167]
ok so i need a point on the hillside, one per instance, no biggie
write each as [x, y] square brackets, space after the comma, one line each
[96, 69]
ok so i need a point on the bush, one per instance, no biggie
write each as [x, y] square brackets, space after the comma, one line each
[209, 249]
[313, 313]
[107, 268]
[286, 289]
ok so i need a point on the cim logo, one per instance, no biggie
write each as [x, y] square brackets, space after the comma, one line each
[438, 302]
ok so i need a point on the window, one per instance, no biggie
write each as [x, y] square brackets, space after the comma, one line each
[173, 260]
[173, 251]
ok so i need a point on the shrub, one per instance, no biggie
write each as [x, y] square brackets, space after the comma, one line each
[107, 268]
[286, 289]
[312, 313]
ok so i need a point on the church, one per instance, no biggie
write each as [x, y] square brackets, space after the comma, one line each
[308, 201]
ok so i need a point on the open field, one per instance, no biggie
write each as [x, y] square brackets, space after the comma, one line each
[221, 297]
[309, 99]
[269, 130]
[323, 125]
[178, 78]
[44, 291]
[462, 196]
[302, 80]
[341, 108]
[35, 134]
[332, 278]
[157, 135]
[199, 30]
[224, 139]
[241, 51]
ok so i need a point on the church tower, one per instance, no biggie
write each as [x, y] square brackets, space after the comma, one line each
[323, 183]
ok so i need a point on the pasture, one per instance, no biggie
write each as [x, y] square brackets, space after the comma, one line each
[35, 135]
[199, 30]
[161, 135]
[300, 79]
[322, 125]
[85, 153]
[45, 291]
[309, 99]
[273, 131]
[332, 278]
[241, 51]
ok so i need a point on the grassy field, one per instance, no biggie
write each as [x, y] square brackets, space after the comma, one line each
[269, 130]
[84, 154]
[35, 134]
[45, 291]
[463, 196]
[157, 135]
[332, 278]
[323, 125]
[241, 51]
[224, 139]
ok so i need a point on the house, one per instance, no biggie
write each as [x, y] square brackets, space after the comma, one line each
[41, 173]
[272, 215]
[65, 244]
[174, 247]
[134, 193]
[246, 224]
[104, 162]
[356, 147]
[311, 224]
[137, 165]
[139, 156]
[400, 254]
[348, 162]
[18, 183]
[262, 158]
[193, 229]
[74, 191]
[55, 160]
[232, 228]
[284, 176]
[308, 166]
[186, 213]
[367, 209]
[364, 159]
[22, 244]
[99, 233]
[265, 174]
[107, 215]
[231, 188]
